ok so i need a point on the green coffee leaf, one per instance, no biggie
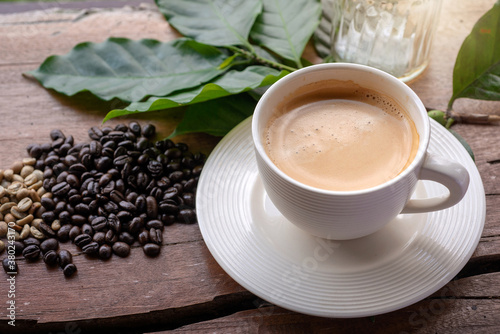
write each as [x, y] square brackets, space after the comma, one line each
[286, 26]
[131, 70]
[214, 22]
[232, 82]
[477, 69]
[216, 117]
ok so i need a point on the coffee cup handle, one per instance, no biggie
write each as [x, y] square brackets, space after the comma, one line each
[452, 175]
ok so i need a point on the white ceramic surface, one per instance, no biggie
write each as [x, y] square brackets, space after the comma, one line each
[343, 215]
[406, 261]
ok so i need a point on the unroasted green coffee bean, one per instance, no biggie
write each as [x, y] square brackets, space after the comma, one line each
[3, 229]
[36, 233]
[25, 204]
[26, 220]
[25, 232]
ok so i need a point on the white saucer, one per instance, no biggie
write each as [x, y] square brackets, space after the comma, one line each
[406, 261]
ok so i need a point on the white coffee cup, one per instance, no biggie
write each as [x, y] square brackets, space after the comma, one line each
[342, 215]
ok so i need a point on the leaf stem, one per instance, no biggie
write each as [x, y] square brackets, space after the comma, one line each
[254, 56]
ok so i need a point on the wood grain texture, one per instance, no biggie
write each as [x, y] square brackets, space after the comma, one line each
[184, 289]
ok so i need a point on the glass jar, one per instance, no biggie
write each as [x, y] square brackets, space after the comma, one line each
[392, 35]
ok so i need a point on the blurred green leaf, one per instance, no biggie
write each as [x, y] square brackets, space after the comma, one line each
[477, 69]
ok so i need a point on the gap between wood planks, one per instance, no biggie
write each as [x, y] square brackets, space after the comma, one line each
[168, 319]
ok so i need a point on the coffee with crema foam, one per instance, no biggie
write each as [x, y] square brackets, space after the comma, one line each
[338, 136]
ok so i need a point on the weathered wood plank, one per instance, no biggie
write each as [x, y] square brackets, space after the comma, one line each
[456, 308]
[444, 316]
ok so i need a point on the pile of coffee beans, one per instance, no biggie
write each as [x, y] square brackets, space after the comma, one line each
[120, 188]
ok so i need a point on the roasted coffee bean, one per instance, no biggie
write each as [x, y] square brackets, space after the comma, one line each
[78, 220]
[114, 223]
[171, 192]
[143, 237]
[127, 206]
[73, 181]
[189, 199]
[95, 148]
[74, 232]
[9, 265]
[69, 270]
[167, 219]
[19, 247]
[82, 209]
[48, 216]
[95, 133]
[111, 237]
[63, 232]
[103, 163]
[176, 176]
[140, 203]
[197, 170]
[31, 252]
[105, 179]
[135, 128]
[126, 237]
[169, 207]
[57, 134]
[154, 223]
[50, 258]
[124, 216]
[151, 250]
[187, 216]
[121, 249]
[87, 229]
[31, 241]
[49, 244]
[82, 240]
[99, 223]
[61, 189]
[77, 169]
[173, 153]
[155, 167]
[91, 248]
[99, 237]
[116, 196]
[60, 207]
[105, 252]
[64, 258]
[135, 225]
[111, 207]
[155, 236]
[148, 130]
[65, 217]
[152, 207]
[47, 230]
[121, 161]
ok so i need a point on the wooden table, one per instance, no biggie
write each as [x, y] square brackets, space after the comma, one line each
[184, 289]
